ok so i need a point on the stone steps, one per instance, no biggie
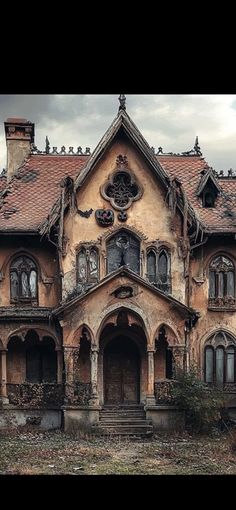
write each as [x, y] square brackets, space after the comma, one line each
[123, 421]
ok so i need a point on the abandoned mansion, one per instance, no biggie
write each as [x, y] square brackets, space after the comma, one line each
[115, 268]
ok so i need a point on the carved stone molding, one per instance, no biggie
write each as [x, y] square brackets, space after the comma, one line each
[121, 189]
[104, 217]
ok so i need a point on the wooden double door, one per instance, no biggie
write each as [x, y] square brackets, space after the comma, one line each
[121, 372]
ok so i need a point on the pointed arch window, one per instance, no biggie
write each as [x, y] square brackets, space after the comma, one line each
[87, 265]
[158, 269]
[221, 282]
[123, 249]
[23, 279]
[220, 359]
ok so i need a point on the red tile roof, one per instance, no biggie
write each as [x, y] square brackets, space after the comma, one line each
[27, 200]
[30, 195]
[188, 171]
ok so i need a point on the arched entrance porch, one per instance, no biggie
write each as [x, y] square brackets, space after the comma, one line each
[122, 362]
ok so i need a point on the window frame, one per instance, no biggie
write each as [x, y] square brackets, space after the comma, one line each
[158, 252]
[226, 344]
[218, 301]
[131, 235]
[20, 297]
[87, 249]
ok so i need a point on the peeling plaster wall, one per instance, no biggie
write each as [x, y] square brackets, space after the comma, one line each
[149, 215]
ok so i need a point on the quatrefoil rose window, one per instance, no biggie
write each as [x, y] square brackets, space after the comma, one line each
[121, 189]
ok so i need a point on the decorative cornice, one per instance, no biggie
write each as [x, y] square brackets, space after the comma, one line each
[56, 152]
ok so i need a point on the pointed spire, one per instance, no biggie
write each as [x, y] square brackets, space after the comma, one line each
[47, 148]
[122, 100]
[197, 148]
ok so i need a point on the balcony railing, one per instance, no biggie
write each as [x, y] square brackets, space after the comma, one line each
[163, 391]
[35, 395]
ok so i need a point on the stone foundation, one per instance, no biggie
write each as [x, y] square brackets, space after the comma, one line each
[80, 419]
[165, 418]
[44, 419]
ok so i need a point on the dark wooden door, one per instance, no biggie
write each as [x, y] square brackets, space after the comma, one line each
[121, 372]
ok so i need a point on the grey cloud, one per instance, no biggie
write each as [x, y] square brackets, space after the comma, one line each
[172, 121]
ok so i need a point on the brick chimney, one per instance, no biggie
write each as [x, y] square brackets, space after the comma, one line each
[19, 136]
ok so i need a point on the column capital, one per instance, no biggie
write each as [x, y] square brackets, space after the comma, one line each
[4, 351]
[151, 349]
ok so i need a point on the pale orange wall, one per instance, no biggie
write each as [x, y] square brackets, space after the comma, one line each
[160, 363]
[149, 215]
[16, 365]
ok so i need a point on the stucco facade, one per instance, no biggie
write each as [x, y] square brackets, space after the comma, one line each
[104, 279]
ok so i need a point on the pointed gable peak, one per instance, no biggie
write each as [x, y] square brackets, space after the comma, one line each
[208, 178]
[124, 122]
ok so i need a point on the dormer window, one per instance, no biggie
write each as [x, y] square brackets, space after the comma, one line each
[208, 188]
[208, 199]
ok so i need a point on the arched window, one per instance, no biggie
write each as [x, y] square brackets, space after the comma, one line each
[23, 279]
[87, 265]
[158, 269]
[123, 249]
[221, 282]
[220, 359]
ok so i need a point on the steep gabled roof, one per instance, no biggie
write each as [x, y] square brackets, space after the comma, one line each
[28, 198]
[124, 271]
[122, 121]
[188, 169]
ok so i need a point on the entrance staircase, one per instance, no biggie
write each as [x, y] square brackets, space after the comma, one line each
[123, 420]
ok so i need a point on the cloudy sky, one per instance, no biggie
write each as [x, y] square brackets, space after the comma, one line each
[169, 121]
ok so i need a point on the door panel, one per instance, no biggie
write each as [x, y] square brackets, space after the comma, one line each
[121, 372]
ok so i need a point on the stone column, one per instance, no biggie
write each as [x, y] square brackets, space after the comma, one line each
[3, 395]
[59, 365]
[178, 352]
[94, 400]
[69, 374]
[150, 399]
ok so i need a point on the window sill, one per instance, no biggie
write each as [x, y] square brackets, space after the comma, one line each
[222, 308]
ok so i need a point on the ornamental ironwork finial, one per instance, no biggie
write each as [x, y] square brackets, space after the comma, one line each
[47, 148]
[197, 148]
[122, 100]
